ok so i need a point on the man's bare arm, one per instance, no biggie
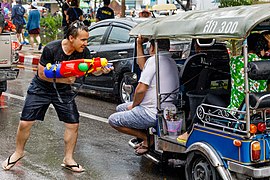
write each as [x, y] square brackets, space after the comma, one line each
[140, 91]
[141, 59]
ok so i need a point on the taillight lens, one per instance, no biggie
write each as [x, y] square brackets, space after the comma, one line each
[261, 127]
[15, 45]
[253, 129]
[229, 51]
[255, 151]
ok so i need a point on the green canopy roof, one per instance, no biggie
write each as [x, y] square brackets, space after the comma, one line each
[232, 22]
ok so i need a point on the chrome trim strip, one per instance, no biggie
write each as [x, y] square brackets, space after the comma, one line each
[249, 170]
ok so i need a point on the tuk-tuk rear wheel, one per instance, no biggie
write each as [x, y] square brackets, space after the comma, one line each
[198, 167]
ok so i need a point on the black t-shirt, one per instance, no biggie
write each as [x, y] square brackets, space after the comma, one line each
[53, 53]
[74, 14]
[64, 8]
[105, 13]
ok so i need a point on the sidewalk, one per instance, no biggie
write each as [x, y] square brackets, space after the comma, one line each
[29, 56]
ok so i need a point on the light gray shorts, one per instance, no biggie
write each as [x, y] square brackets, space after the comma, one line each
[137, 118]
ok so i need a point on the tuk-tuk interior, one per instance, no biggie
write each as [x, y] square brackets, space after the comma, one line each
[207, 71]
[204, 69]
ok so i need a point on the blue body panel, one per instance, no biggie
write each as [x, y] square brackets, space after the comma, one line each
[222, 142]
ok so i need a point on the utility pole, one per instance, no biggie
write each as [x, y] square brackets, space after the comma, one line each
[123, 8]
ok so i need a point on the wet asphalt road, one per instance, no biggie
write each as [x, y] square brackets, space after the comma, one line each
[102, 151]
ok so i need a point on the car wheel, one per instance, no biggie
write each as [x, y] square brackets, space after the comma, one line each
[198, 167]
[123, 94]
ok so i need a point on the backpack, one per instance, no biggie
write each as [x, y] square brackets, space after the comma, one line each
[20, 11]
[75, 15]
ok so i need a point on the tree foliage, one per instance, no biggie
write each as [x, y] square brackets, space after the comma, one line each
[51, 28]
[235, 46]
[228, 3]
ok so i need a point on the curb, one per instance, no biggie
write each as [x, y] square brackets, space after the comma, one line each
[28, 59]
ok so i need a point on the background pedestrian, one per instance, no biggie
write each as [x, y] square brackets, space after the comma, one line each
[104, 12]
[64, 13]
[33, 25]
[2, 22]
[6, 8]
[17, 17]
[74, 12]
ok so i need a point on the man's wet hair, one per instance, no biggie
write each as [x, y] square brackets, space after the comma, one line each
[163, 44]
[74, 28]
[73, 3]
[106, 2]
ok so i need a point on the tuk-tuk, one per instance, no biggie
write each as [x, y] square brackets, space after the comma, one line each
[226, 144]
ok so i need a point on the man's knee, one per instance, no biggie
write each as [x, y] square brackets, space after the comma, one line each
[118, 108]
[123, 107]
[25, 125]
[72, 126]
[111, 120]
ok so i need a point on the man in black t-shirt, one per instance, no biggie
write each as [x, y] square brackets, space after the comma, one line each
[74, 13]
[65, 7]
[44, 91]
[104, 12]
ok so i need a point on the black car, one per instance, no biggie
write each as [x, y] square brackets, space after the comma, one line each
[110, 39]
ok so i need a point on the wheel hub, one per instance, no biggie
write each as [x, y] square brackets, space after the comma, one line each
[202, 171]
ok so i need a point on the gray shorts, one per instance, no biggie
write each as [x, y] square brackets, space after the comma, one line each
[137, 118]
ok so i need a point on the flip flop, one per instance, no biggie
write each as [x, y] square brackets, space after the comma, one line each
[138, 145]
[141, 150]
[10, 164]
[71, 167]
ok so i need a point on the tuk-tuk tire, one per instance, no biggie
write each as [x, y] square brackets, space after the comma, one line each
[197, 162]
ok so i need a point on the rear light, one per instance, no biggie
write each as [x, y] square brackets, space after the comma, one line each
[253, 129]
[255, 151]
[237, 143]
[15, 45]
[261, 127]
[229, 51]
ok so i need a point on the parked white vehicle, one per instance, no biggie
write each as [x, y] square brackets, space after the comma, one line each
[8, 59]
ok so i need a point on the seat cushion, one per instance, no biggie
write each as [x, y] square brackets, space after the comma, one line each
[254, 97]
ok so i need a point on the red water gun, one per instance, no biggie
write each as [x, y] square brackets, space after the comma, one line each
[78, 67]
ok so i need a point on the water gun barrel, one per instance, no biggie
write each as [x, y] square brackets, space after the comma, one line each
[77, 68]
[97, 64]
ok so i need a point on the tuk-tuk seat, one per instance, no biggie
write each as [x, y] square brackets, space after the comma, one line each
[259, 100]
[259, 70]
[190, 71]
